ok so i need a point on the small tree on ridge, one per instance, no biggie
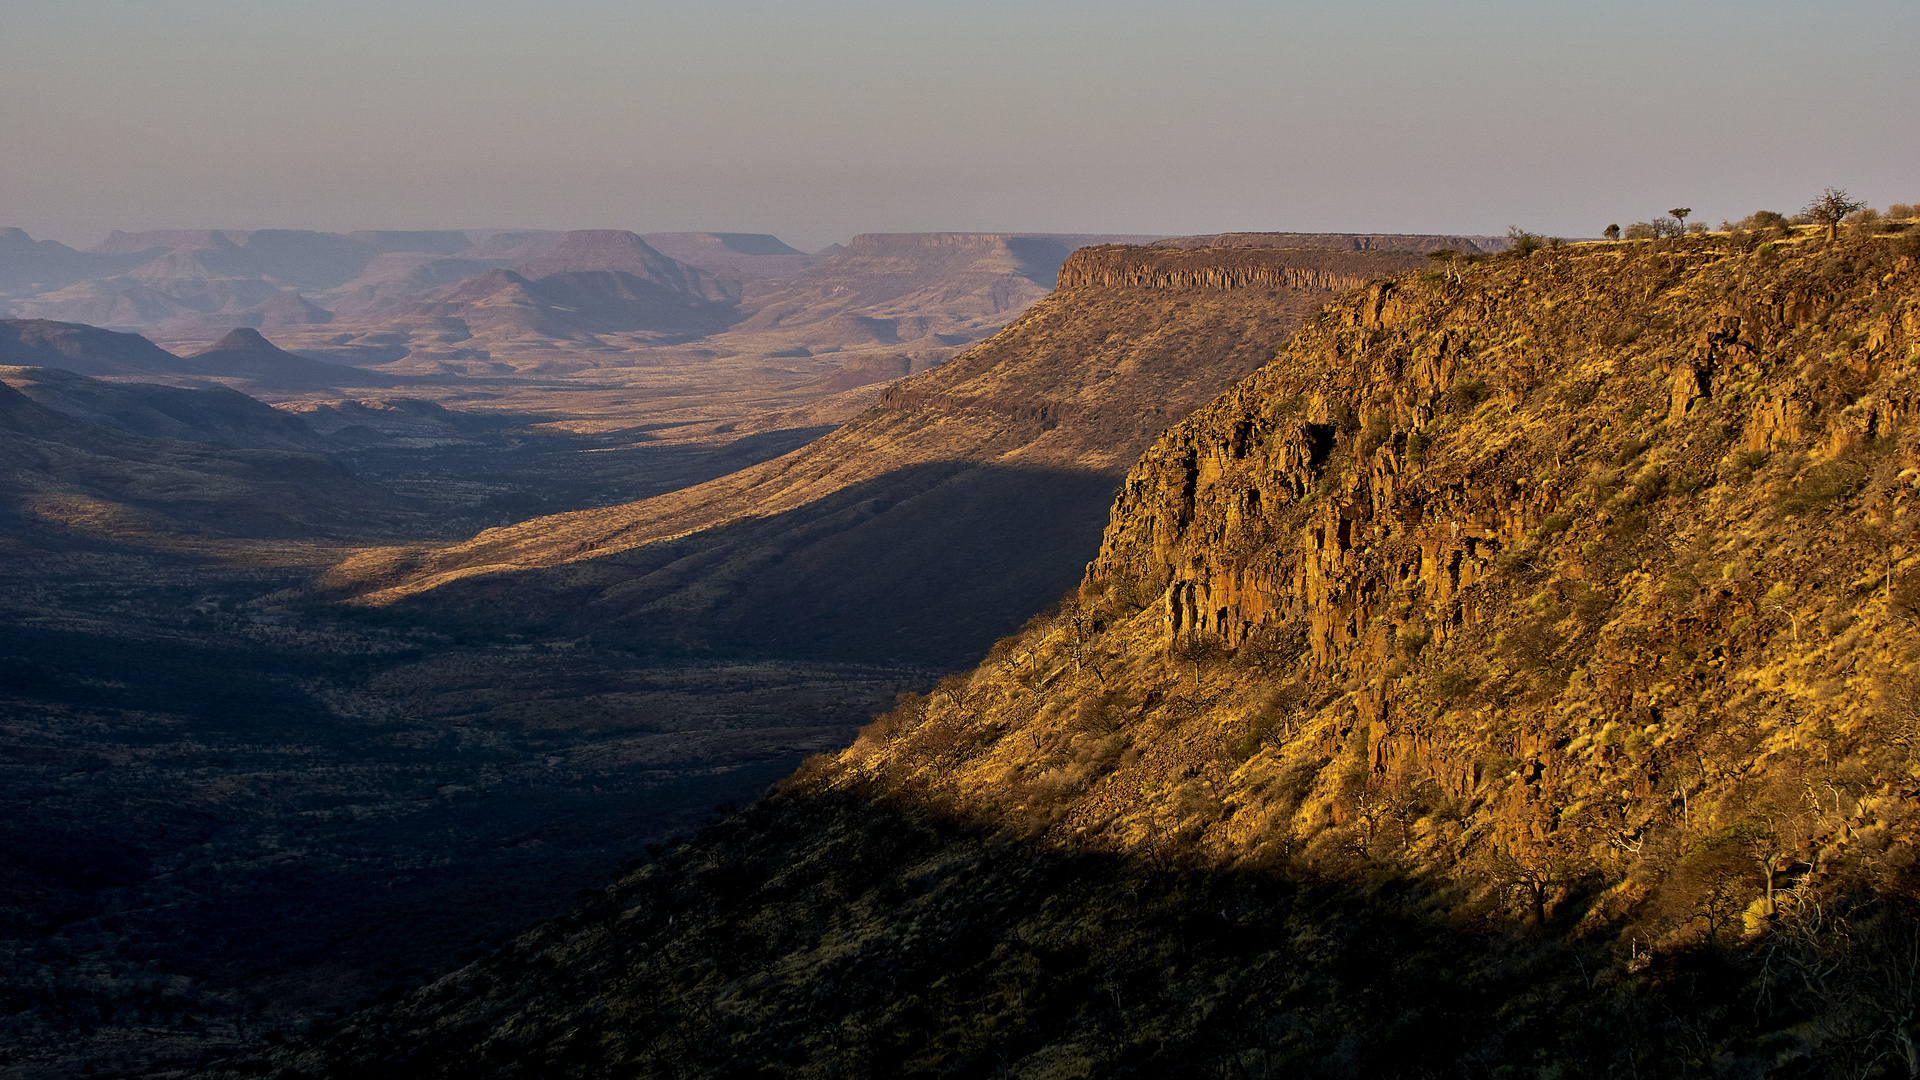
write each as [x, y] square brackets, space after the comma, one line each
[1831, 208]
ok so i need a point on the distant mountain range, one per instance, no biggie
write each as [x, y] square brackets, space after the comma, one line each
[186, 280]
[730, 308]
[465, 303]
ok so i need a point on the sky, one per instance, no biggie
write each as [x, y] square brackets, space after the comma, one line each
[818, 119]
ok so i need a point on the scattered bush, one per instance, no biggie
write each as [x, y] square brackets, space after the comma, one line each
[1521, 243]
[1269, 727]
[1659, 228]
[1579, 394]
[1417, 447]
[1413, 640]
[1342, 416]
[1467, 395]
[1378, 431]
[1828, 482]
[1530, 646]
[1629, 450]
[1745, 462]
[1651, 487]
[1553, 526]
[1272, 646]
[1454, 684]
[1203, 651]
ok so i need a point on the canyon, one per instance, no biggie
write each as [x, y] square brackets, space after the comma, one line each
[311, 693]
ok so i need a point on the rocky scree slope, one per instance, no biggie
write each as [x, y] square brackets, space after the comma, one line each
[1516, 676]
[975, 490]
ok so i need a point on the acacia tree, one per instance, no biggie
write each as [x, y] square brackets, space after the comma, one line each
[1532, 877]
[1831, 208]
[1681, 213]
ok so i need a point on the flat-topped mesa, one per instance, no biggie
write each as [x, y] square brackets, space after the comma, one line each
[1416, 243]
[1158, 267]
[885, 243]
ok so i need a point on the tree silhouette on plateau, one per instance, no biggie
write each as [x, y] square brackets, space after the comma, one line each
[1681, 213]
[1831, 208]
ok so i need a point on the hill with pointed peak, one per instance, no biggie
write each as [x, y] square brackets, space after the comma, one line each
[246, 356]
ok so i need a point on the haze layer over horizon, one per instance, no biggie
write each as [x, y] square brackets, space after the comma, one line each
[813, 121]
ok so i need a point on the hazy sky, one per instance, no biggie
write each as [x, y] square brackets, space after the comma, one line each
[817, 119]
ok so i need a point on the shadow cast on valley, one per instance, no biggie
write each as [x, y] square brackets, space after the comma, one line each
[926, 564]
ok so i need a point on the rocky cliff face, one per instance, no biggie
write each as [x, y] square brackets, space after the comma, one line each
[1575, 568]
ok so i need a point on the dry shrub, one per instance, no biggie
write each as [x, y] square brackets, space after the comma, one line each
[1712, 884]
[1590, 605]
[1104, 712]
[1272, 646]
[1414, 639]
[1466, 395]
[1453, 684]
[1204, 651]
[1379, 431]
[1903, 597]
[1530, 645]
[1273, 723]
[1829, 482]
[1896, 713]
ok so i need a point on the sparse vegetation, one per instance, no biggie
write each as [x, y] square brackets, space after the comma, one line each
[1521, 243]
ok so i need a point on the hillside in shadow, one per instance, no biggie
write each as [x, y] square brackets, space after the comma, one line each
[927, 564]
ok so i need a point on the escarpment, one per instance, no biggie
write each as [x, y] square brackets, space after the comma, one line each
[1237, 268]
[1591, 570]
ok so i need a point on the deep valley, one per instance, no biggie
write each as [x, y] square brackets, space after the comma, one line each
[1246, 655]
